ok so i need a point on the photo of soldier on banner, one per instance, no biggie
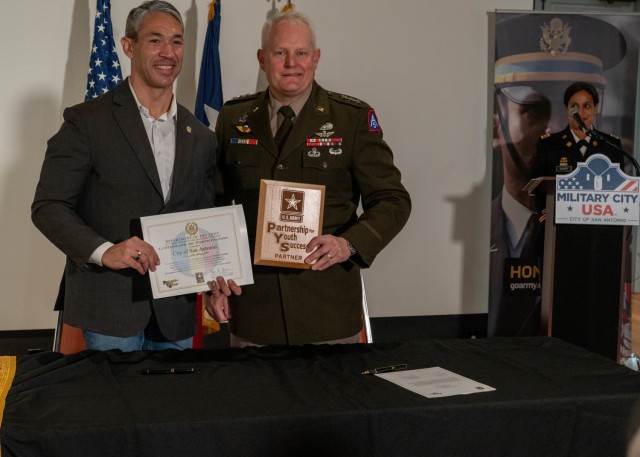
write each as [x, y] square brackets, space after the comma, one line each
[537, 57]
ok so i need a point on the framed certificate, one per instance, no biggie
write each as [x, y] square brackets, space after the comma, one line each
[289, 215]
[197, 246]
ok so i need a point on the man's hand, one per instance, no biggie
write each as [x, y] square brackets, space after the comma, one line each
[330, 250]
[217, 304]
[131, 253]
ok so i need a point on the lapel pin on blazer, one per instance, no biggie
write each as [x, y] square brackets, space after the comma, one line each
[188, 129]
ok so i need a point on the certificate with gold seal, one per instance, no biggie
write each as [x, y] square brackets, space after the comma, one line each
[289, 216]
[197, 246]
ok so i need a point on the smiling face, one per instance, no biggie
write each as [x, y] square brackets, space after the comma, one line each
[156, 55]
[289, 60]
[583, 102]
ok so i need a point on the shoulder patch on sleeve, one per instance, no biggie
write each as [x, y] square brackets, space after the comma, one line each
[374, 125]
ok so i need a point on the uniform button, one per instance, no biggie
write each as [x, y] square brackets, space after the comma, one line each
[280, 167]
[239, 162]
[324, 165]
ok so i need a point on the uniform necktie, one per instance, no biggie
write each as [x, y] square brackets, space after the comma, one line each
[531, 234]
[583, 145]
[285, 127]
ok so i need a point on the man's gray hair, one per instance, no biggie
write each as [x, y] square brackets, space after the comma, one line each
[291, 16]
[137, 14]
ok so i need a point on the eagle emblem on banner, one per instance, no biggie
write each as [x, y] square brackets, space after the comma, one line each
[555, 37]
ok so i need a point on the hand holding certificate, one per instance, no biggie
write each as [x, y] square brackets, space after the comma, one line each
[197, 246]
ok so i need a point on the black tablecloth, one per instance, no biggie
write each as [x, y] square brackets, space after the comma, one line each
[551, 399]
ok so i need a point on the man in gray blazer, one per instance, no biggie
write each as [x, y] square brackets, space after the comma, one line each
[130, 153]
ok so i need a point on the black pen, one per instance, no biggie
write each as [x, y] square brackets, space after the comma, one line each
[399, 367]
[169, 371]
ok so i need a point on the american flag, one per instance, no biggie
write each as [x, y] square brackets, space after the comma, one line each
[104, 66]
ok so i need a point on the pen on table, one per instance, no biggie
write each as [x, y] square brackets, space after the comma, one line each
[169, 371]
[399, 367]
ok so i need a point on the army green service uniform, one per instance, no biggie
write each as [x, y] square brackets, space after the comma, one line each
[290, 305]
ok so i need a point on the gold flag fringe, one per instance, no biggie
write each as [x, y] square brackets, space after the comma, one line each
[212, 12]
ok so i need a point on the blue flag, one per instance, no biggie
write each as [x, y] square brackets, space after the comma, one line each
[209, 98]
[104, 66]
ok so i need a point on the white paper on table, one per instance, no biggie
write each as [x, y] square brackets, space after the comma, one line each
[435, 382]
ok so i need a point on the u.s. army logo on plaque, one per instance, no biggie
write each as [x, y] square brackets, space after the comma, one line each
[292, 205]
[289, 216]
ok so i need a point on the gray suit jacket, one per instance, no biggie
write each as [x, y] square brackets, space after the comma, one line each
[98, 178]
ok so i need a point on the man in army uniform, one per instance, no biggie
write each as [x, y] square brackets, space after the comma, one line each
[323, 303]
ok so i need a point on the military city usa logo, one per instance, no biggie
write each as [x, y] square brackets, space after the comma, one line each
[598, 193]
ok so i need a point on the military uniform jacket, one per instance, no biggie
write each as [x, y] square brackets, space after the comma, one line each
[558, 153]
[287, 305]
[98, 178]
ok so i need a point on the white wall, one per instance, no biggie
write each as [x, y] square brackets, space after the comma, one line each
[421, 64]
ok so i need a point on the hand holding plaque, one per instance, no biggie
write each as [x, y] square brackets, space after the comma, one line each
[289, 216]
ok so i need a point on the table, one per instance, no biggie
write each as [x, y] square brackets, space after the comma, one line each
[551, 399]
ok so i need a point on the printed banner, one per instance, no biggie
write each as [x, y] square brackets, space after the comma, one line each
[537, 56]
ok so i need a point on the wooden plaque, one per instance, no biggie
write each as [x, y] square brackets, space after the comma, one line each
[289, 216]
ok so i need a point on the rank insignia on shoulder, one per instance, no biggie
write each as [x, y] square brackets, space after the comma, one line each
[374, 126]
[243, 128]
[615, 137]
[241, 99]
[545, 135]
[242, 141]
[350, 99]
